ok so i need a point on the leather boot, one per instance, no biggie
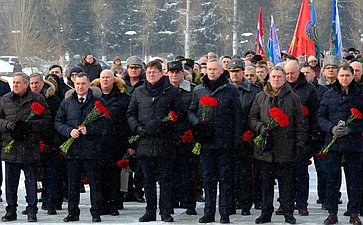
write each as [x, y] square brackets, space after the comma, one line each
[332, 219]
[354, 219]
[289, 218]
[264, 218]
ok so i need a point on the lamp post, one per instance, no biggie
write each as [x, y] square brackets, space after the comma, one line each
[130, 33]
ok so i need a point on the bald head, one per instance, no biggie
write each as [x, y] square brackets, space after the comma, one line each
[292, 71]
[358, 70]
[107, 79]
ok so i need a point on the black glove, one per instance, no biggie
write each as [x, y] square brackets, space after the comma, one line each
[10, 126]
[140, 130]
[154, 127]
[268, 143]
[21, 131]
[204, 132]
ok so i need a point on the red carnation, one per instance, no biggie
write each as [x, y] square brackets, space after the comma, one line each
[187, 136]
[37, 108]
[42, 147]
[321, 155]
[279, 116]
[123, 163]
[172, 116]
[208, 101]
[356, 113]
[305, 111]
[247, 136]
[101, 108]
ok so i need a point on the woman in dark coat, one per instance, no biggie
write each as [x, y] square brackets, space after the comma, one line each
[334, 110]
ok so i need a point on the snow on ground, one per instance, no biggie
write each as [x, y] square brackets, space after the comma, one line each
[133, 211]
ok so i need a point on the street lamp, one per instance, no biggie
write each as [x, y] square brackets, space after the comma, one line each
[130, 33]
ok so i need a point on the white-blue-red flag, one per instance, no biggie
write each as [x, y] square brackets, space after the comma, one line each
[260, 50]
[273, 44]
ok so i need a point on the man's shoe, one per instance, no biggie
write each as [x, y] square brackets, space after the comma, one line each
[289, 218]
[354, 219]
[332, 219]
[258, 205]
[32, 217]
[114, 212]
[96, 219]
[245, 212]
[139, 198]
[191, 211]
[207, 219]
[71, 218]
[280, 211]
[264, 218]
[24, 212]
[9, 216]
[224, 219]
[167, 218]
[303, 211]
[52, 211]
[147, 217]
[347, 213]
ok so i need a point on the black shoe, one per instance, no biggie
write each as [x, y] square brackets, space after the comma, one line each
[280, 211]
[96, 219]
[114, 212]
[24, 212]
[1, 200]
[258, 205]
[191, 211]
[245, 212]
[139, 198]
[224, 219]
[289, 218]
[147, 217]
[70, 218]
[9, 216]
[167, 218]
[347, 213]
[51, 211]
[264, 218]
[207, 219]
[32, 217]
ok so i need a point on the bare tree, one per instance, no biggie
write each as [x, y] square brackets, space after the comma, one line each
[102, 15]
[148, 10]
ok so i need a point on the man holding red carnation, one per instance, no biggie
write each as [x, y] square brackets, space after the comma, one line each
[15, 107]
[215, 113]
[283, 144]
[85, 152]
[334, 111]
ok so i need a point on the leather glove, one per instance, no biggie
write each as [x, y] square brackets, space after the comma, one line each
[140, 130]
[21, 131]
[204, 132]
[10, 126]
[340, 131]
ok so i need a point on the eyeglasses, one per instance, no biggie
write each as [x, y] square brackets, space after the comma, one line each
[73, 74]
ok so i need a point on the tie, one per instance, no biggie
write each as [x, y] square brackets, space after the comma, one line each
[81, 99]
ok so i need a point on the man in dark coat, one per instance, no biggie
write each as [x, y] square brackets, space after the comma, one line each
[242, 160]
[115, 143]
[56, 70]
[91, 66]
[284, 145]
[51, 140]
[309, 100]
[183, 189]
[150, 104]
[219, 133]
[24, 155]
[85, 152]
[334, 110]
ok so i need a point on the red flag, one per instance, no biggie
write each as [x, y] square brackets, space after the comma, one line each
[259, 36]
[302, 41]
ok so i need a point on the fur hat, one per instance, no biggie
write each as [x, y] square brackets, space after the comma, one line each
[332, 60]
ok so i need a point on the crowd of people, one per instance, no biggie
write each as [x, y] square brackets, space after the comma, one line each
[244, 124]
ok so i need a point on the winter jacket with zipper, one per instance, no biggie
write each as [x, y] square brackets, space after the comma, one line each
[335, 106]
[71, 115]
[14, 108]
[287, 140]
[225, 118]
[143, 108]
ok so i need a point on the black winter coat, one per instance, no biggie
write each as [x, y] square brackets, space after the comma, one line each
[71, 115]
[143, 108]
[93, 70]
[335, 106]
[288, 141]
[225, 118]
[14, 108]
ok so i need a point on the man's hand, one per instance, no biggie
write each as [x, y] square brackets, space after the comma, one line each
[82, 129]
[131, 151]
[75, 133]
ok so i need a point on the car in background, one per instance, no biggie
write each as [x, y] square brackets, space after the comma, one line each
[29, 64]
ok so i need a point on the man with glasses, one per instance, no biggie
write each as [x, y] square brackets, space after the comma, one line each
[330, 70]
[73, 74]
